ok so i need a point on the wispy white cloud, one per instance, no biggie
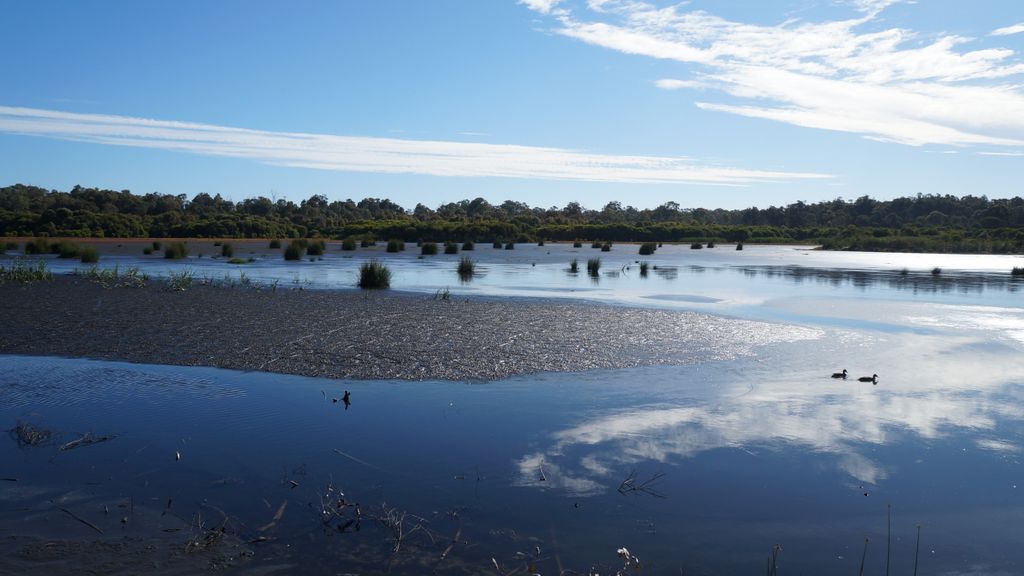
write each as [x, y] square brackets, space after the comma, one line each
[542, 6]
[675, 84]
[1010, 154]
[381, 155]
[1008, 31]
[891, 84]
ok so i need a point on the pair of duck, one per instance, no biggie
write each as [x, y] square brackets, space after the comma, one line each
[873, 378]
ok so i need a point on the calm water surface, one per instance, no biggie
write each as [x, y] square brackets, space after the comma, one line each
[736, 456]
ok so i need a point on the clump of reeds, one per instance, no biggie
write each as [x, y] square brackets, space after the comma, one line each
[147, 250]
[643, 269]
[696, 246]
[451, 248]
[10, 246]
[739, 245]
[275, 244]
[711, 244]
[157, 245]
[596, 244]
[374, 274]
[936, 271]
[68, 249]
[175, 251]
[367, 242]
[468, 245]
[466, 268]
[181, 280]
[540, 242]
[606, 247]
[577, 244]
[24, 271]
[348, 244]
[510, 246]
[593, 266]
[428, 248]
[114, 277]
[1017, 271]
[648, 248]
[293, 251]
[574, 266]
[37, 246]
[89, 255]
[316, 248]
[497, 244]
[395, 246]
[227, 250]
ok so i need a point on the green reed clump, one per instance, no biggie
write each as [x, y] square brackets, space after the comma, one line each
[711, 244]
[294, 250]
[1017, 271]
[606, 247]
[468, 245]
[227, 250]
[316, 248]
[497, 244]
[10, 246]
[89, 254]
[739, 245]
[25, 271]
[367, 242]
[348, 244]
[510, 246]
[540, 242]
[147, 250]
[67, 249]
[157, 245]
[574, 266]
[936, 271]
[643, 269]
[577, 244]
[181, 280]
[395, 245]
[176, 251]
[451, 248]
[648, 248]
[593, 266]
[374, 274]
[275, 244]
[696, 246]
[428, 248]
[466, 268]
[596, 244]
[37, 246]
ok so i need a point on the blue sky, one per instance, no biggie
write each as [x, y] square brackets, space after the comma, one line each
[708, 104]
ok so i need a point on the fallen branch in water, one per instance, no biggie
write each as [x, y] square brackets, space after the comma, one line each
[80, 519]
[630, 485]
[87, 439]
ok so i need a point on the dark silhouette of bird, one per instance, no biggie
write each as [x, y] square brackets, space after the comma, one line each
[872, 378]
[346, 399]
[840, 374]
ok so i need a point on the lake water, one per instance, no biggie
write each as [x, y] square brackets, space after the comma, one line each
[697, 469]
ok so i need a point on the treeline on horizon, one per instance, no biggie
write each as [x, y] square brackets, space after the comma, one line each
[926, 223]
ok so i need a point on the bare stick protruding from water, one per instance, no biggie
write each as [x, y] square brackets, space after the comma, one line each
[888, 537]
[917, 548]
[80, 519]
[630, 484]
[87, 439]
[863, 556]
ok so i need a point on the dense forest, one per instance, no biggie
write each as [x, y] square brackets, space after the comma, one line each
[915, 223]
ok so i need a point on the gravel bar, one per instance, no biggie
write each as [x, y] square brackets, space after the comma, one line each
[363, 335]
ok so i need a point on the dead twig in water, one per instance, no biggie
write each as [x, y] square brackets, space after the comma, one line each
[80, 519]
[87, 439]
[277, 517]
[630, 485]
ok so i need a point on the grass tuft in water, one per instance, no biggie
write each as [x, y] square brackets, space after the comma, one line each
[936, 271]
[88, 255]
[593, 266]
[451, 248]
[606, 247]
[496, 244]
[374, 274]
[643, 269]
[395, 246]
[574, 266]
[596, 244]
[316, 248]
[37, 246]
[275, 244]
[1017, 271]
[428, 248]
[577, 244]
[348, 244]
[293, 251]
[648, 248]
[468, 245]
[147, 250]
[466, 268]
[157, 245]
[175, 251]
[227, 250]
[510, 246]
[696, 246]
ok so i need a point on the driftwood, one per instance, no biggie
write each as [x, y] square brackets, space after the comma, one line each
[87, 439]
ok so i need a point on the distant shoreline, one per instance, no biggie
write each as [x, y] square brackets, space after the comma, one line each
[363, 335]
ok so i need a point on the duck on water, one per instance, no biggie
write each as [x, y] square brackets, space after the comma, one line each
[873, 378]
[840, 374]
